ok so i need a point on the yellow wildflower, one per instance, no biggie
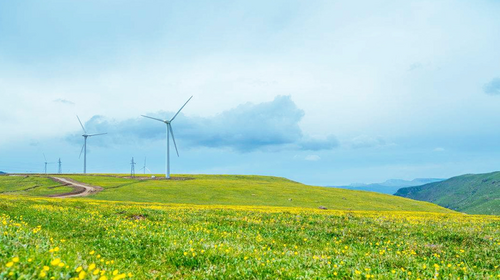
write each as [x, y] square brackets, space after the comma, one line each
[120, 276]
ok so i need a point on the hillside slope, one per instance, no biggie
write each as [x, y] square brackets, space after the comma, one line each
[220, 190]
[247, 190]
[471, 193]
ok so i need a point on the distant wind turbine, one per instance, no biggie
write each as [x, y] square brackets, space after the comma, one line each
[144, 168]
[59, 170]
[84, 147]
[46, 163]
[169, 131]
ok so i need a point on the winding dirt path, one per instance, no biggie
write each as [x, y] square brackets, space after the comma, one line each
[79, 189]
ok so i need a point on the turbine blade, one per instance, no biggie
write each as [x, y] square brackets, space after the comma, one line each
[81, 124]
[44, 157]
[81, 151]
[173, 138]
[154, 118]
[181, 109]
[96, 134]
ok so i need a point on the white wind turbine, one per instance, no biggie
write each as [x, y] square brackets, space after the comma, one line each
[169, 131]
[145, 168]
[46, 163]
[84, 147]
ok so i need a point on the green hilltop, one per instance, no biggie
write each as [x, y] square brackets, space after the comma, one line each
[471, 193]
[221, 190]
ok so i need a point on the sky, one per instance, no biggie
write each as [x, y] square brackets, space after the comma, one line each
[321, 92]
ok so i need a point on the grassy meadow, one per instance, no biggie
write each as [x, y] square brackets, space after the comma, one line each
[234, 227]
[90, 239]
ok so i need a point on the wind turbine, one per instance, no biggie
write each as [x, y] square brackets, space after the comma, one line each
[84, 147]
[144, 167]
[169, 131]
[46, 163]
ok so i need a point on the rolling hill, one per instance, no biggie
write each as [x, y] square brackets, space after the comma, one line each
[471, 193]
[220, 190]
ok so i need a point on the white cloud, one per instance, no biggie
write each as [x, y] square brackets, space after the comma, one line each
[312, 158]
[364, 141]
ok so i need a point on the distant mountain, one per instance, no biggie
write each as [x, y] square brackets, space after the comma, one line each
[471, 193]
[390, 186]
[1, 172]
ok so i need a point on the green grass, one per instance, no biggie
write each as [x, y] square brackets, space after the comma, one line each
[472, 193]
[246, 190]
[60, 238]
[31, 186]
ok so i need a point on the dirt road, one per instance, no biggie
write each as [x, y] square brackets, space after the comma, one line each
[79, 189]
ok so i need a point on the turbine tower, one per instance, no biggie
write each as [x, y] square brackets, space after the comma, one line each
[169, 131]
[84, 147]
[60, 168]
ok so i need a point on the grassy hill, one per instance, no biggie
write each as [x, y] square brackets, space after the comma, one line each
[472, 193]
[30, 185]
[78, 238]
[228, 190]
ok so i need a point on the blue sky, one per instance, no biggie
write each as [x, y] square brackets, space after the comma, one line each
[323, 92]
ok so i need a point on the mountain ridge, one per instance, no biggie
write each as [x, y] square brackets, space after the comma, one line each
[469, 193]
[390, 186]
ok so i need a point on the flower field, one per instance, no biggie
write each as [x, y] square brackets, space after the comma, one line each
[90, 239]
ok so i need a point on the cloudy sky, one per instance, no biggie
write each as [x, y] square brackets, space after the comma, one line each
[323, 92]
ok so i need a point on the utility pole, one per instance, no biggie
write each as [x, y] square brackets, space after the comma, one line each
[132, 168]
